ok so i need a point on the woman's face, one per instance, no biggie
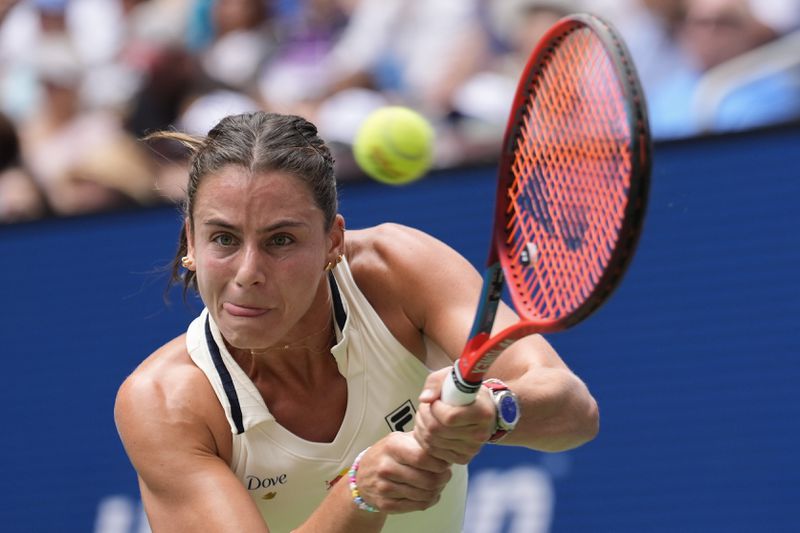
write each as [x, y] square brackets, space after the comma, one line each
[260, 247]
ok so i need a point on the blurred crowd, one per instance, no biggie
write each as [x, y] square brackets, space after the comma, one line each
[82, 81]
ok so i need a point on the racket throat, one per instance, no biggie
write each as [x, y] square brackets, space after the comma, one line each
[465, 386]
[482, 358]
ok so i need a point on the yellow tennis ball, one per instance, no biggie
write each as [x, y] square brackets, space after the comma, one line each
[394, 145]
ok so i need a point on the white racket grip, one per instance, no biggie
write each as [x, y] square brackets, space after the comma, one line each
[452, 394]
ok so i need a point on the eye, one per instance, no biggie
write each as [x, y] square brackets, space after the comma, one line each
[224, 239]
[281, 240]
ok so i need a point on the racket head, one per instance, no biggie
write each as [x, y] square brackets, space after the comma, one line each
[574, 174]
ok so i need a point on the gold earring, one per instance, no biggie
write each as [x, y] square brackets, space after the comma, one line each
[332, 264]
[186, 262]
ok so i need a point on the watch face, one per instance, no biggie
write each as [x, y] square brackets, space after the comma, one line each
[508, 410]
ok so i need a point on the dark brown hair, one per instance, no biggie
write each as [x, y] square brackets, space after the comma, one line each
[259, 142]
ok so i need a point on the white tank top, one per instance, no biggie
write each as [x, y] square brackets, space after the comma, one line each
[287, 476]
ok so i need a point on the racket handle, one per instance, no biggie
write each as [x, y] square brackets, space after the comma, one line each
[456, 391]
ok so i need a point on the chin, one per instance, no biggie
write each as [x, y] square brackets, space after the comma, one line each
[242, 336]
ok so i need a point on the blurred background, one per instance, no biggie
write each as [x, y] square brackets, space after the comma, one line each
[693, 361]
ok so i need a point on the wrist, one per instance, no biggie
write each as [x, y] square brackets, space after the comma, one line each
[352, 474]
[507, 408]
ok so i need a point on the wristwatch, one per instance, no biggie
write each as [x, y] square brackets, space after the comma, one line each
[507, 408]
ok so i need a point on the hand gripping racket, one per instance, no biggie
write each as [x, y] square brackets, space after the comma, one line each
[571, 192]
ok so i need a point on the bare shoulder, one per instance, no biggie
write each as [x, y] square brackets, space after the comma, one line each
[381, 239]
[415, 282]
[396, 252]
[169, 397]
[177, 438]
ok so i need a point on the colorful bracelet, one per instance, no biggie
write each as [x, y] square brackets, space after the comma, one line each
[351, 477]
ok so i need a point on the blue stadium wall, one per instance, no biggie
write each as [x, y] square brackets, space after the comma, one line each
[694, 362]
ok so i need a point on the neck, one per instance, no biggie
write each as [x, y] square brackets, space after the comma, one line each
[306, 362]
[319, 341]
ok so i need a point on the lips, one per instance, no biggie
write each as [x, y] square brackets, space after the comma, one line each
[243, 310]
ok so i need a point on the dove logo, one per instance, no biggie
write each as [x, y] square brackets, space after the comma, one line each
[255, 483]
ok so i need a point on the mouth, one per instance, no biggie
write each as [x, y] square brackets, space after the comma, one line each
[243, 310]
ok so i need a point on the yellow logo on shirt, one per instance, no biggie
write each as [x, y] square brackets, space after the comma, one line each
[329, 484]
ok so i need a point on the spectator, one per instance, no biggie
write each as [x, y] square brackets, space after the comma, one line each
[300, 71]
[714, 34]
[398, 51]
[649, 28]
[83, 159]
[483, 99]
[232, 40]
[147, 31]
[244, 39]
[20, 197]
[87, 23]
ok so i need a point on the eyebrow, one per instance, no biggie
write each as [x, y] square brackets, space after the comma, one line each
[278, 224]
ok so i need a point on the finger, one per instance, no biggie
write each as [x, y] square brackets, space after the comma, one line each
[405, 449]
[414, 483]
[454, 445]
[429, 432]
[401, 485]
[392, 479]
[481, 413]
[456, 451]
[419, 458]
[449, 416]
[391, 496]
[421, 432]
[400, 505]
[432, 389]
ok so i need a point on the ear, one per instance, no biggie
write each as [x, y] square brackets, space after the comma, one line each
[336, 239]
[187, 229]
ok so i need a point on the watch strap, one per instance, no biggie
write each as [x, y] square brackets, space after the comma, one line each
[496, 386]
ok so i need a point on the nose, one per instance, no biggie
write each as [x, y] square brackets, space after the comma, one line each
[249, 271]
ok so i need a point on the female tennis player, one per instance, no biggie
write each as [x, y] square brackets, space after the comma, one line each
[305, 396]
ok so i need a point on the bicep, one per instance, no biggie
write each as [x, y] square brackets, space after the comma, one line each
[448, 292]
[439, 291]
[185, 486]
[201, 494]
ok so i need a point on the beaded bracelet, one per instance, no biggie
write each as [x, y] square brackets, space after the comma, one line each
[351, 476]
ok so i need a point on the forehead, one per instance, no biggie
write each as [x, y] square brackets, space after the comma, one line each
[238, 192]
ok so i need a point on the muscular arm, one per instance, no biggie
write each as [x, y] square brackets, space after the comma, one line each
[174, 432]
[185, 484]
[439, 292]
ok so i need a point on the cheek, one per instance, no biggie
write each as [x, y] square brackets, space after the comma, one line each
[297, 281]
[210, 276]
[298, 276]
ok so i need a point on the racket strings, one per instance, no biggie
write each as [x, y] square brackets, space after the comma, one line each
[571, 179]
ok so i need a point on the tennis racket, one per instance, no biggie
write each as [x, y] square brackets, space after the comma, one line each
[571, 192]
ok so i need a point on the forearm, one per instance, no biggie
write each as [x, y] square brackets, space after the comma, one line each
[338, 513]
[557, 410]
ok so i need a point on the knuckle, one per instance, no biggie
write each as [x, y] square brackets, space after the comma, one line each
[433, 501]
[442, 482]
[387, 505]
[474, 447]
[433, 424]
[448, 418]
[381, 486]
[462, 459]
[447, 475]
